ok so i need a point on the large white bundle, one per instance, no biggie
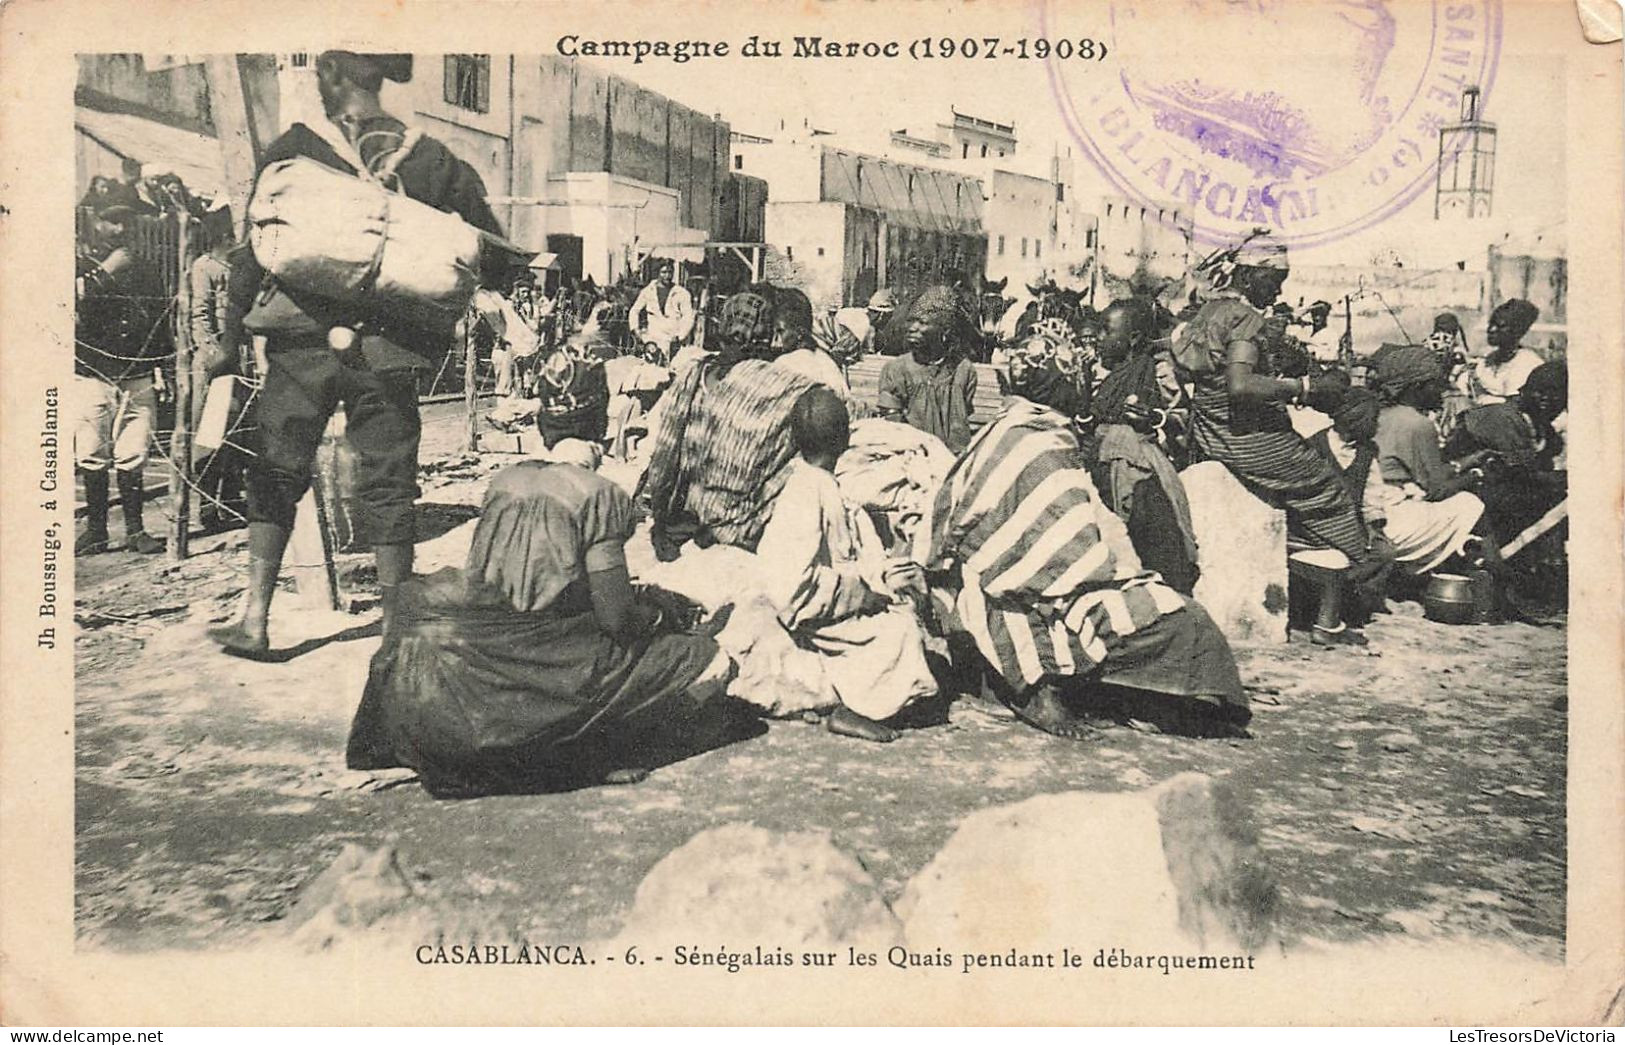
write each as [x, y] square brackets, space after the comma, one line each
[353, 241]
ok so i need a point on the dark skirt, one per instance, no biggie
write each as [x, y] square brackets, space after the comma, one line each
[468, 691]
[1181, 655]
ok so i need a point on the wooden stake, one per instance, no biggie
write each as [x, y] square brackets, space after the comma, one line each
[471, 399]
[180, 440]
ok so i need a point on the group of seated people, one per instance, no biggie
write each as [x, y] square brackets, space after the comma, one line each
[1050, 568]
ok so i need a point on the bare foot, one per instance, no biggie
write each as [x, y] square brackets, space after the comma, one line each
[240, 640]
[1045, 711]
[848, 723]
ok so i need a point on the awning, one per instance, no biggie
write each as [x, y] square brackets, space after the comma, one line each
[545, 261]
[160, 149]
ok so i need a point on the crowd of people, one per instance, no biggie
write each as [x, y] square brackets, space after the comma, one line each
[1044, 557]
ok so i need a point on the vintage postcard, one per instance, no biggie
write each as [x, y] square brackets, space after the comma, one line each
[1049, 512]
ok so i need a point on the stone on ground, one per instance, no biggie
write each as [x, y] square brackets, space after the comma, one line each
[1172, 867]
[1241, 545]
[744, 885]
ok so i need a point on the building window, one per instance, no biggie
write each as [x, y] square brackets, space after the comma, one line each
[820, 251]
[468, 81]
[1038, 248]
[964, 150]
[789, 253]
[1060, 192]
[739, 163]
[300, 60]
[1001, 152]
[1024, 246]
[1001, 246]
[984, 151]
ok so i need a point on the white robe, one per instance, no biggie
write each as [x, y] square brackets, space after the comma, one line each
[819, 557]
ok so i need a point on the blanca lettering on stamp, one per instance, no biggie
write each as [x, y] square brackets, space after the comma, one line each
[1318, 118]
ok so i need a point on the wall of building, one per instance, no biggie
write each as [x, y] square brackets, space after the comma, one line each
[791, 169]
[1022, 223]
[616, 218]
[1137, 240]
[742, 214]
[807, 246]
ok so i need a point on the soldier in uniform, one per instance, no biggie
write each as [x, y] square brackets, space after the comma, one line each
[321, 354]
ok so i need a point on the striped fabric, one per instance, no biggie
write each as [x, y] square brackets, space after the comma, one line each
[1049, 581]
[723, 449]
[1257, 443]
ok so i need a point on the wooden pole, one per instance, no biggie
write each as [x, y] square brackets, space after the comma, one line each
[471, 398]
[180, 440]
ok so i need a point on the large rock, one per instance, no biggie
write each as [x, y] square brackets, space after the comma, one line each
[747, 886]
[1167, 869]
[1241, 543]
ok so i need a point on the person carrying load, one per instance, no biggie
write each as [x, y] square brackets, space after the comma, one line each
[359, 288]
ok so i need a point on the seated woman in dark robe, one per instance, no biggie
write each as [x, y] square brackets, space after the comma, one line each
[1128, 461]
[1024, 558]
[536, 667]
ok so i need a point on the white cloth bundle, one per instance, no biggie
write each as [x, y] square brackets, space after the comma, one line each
[353, 241]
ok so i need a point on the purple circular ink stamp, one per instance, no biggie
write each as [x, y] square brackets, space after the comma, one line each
[1317, 118]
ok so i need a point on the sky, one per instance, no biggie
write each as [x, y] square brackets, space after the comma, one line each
[862, 99]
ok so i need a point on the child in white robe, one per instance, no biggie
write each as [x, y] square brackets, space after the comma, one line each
[827, 577]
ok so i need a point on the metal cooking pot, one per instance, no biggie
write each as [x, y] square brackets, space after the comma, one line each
[1449, 599]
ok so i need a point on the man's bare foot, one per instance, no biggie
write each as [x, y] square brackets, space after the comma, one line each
[1045, 711]
[848, 723]
[240, 640]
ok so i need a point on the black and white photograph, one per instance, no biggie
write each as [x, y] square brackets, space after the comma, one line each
[872, 509]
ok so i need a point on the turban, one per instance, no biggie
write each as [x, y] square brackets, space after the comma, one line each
[941, 304]
[1516, 315]
[1398, 367]
[1446, 323]
[1263, 252]
[1356, 417]
[1049, 372]
[746, 318]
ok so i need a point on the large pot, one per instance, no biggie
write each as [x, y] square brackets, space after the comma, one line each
[1449, 599]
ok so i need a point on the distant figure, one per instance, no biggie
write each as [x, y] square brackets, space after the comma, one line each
[829, 581]
[933, 388]
[663, 313]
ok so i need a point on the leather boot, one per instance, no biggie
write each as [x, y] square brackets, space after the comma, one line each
[131, 497]
[94, 540]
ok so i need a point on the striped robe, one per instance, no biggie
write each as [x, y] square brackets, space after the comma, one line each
[723, 449]
[1050, 585]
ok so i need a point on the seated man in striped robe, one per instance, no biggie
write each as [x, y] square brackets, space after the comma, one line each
[1025, 557]
[829, 581]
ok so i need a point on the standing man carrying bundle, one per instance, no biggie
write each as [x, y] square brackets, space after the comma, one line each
[323, 352]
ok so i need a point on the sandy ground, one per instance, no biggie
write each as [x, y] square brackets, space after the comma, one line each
[1416, 787]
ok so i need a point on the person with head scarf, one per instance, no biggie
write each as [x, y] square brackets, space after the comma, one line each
[933, 387]
[1500, 375]
[537, 665]
[825, 572]
[1239, 418]
[722, 445]
[1324, 342]
[1025, 558]
[1130, 459]
[1431, 513]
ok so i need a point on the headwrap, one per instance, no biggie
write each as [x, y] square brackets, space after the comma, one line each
[1048, 372]
[746, 318]
[578, 452]
[574, 396]
[1398, 367]
[882, 300]
[1516, 316]
[1446, 323]
[1356, 417]
[1262, 251]
[941, 304]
